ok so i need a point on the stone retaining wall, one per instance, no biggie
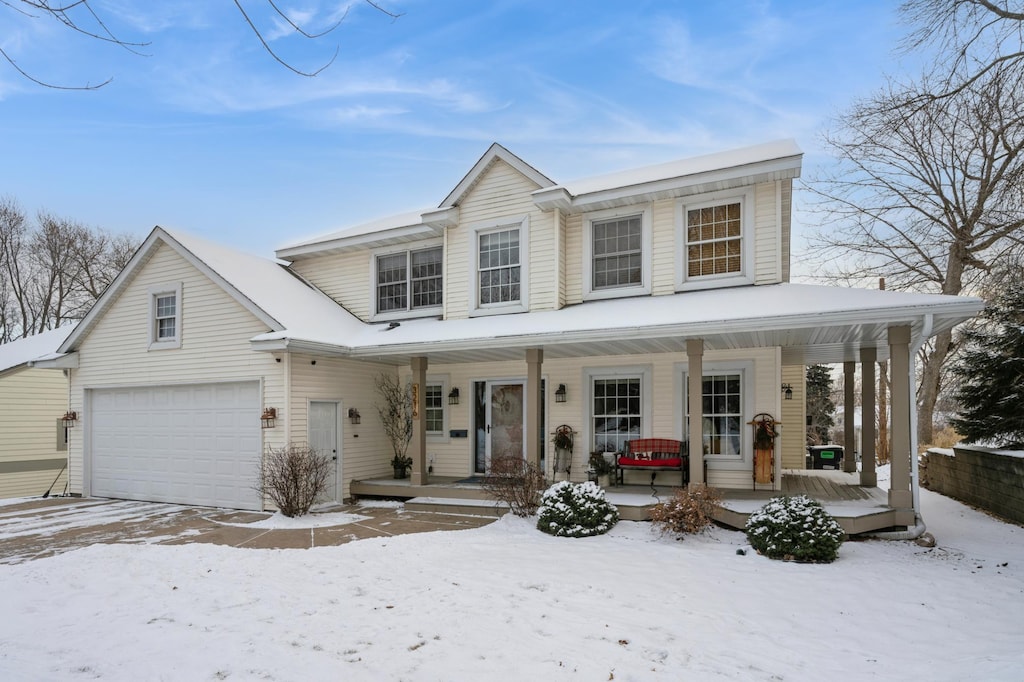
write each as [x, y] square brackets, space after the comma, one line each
[990, 479]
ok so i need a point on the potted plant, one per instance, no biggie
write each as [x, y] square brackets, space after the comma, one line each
[395, 410]
[602, 468]
[400, 463]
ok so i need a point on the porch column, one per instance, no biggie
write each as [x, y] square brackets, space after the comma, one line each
[849, 430]
[868, 358]
[534, 417]
[418, 445]
[900, 454]
[695, 382]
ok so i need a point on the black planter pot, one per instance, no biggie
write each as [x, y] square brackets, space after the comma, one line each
[399, 472]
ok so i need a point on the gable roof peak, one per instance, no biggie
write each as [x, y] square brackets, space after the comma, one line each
[495, 152]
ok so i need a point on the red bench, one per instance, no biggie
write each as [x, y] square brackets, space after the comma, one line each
[653, 455]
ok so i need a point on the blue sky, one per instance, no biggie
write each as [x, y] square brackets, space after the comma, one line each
[207, 133]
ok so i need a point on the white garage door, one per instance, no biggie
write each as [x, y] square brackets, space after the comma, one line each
[185, 444]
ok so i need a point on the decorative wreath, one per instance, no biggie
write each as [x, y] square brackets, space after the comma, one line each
[765, 431]
[563, 438]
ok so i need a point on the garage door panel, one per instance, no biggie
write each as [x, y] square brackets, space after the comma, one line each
[186, 444]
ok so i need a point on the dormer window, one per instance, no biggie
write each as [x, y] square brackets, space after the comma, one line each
[501, 278]
[409, 282]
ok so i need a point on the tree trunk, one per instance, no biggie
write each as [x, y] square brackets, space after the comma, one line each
[882, 447]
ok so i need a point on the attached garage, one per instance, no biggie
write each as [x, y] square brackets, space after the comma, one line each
[193, 444]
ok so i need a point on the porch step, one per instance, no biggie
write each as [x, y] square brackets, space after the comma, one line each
[449, 505]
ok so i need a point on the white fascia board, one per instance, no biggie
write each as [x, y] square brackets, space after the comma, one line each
[65, 361]
[446, 216]
[292, 345]
[494, 152]
[367, 240]
[553, 197]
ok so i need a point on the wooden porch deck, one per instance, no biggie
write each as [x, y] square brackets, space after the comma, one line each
[858, 509]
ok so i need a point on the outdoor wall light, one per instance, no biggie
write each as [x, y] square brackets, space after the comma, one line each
[69, 419]
[453, 397]
[787, 391]
[353, 415]
[268, 417]
[560, 394]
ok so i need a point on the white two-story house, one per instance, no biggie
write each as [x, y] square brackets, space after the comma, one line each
[654, 302]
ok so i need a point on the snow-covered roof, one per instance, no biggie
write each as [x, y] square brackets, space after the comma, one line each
[263, 286]
[22, 351]
[806, 319]
[399, 226]
[724, 170]
[766, 162]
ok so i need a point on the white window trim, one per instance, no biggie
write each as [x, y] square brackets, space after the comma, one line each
[408, 313]
[163, 290]
[745, 198]
[745, 368]
[523, 304]
[444, 381]
[591, 294]
[644, 372]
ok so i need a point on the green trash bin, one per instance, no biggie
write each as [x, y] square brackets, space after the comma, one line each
[826, 456]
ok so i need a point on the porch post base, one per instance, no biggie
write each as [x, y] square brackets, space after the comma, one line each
[904, 517]
[901, 499]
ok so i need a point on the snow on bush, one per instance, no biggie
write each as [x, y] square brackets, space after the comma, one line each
[575, 510]
[795, 529]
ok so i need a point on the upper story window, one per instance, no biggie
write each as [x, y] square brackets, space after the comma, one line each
[617, 253]
[165, 317]
[716, 239]
[500, 281]
[409, 281]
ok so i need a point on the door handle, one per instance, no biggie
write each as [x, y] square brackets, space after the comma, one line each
[488, 428]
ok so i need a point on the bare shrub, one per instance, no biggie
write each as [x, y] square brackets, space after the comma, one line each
[515, 482]
[689, 511]
[294, 477]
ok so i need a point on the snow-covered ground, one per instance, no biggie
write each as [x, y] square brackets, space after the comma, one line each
[506, 602]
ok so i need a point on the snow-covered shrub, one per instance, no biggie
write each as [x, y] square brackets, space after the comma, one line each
[795, 529]
[689, 511]
[575, 510]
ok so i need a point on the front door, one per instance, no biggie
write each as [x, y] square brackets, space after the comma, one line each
[323, 437]
[505, 408]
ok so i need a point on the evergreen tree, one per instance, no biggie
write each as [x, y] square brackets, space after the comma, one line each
[991, 392]
[820, 408]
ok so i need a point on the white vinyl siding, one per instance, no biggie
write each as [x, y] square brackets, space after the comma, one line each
[347, 278]
[500, 195]
[215, 348]
[31, 402]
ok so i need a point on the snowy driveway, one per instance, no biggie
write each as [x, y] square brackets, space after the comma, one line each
[35, 528]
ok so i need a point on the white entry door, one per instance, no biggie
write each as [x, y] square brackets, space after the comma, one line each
[323, 437]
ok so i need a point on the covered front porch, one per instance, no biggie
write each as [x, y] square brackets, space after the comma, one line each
[858, 508]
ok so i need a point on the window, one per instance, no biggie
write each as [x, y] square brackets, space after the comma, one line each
[713, 240]
[434, 413]
[62, 436]
[500, 283]
[165, 317]
[716, 242]
[725, 399]
[499, 267]
[616, 415]
[617, 254]
[409, 281]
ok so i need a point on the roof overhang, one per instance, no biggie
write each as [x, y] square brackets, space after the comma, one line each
[823, 334]
[565, 199]
[370, 240]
